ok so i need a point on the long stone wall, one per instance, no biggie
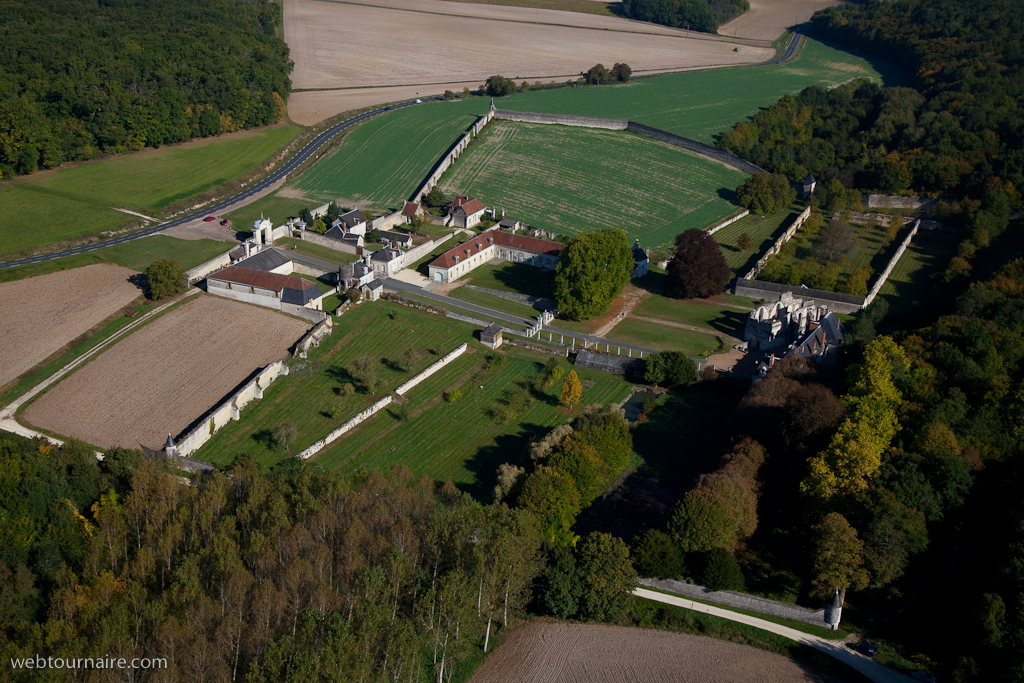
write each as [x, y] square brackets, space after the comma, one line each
[416, 253]
[770, 291]
[229, 410]
[560, 119]
[336, 245]
[442, 165]
[774, 249]
[313, 337]
[448, 358]
[729, 221]
[310, 314]
[196, 274]
[525, 299]
[337, 433]
[751, 603]
[892, 264]
[695, 145]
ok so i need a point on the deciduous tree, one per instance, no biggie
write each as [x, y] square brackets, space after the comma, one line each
[572, 390]
[837, 557]
[164, 278]
[697, 268]
[765, 193]
[607, 576]
[592, 271]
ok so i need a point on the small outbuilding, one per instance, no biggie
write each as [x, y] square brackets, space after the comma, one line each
[491, 336]
[373, 290]
[809, 183]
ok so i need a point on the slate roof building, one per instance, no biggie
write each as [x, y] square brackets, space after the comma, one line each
[397, 239]
[491, 336]
[387, 262]
[640, 260]
[498, 245]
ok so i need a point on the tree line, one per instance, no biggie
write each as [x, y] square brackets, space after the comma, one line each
[80, 78]
[696, 15]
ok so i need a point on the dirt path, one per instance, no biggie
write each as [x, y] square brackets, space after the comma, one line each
[632, 297]
[728, 338]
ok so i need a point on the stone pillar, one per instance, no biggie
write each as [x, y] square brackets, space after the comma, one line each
[259, 390]
[834, 611]
[236, 414]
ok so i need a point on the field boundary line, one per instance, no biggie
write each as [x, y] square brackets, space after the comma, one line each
[837, 649]
[7, 413]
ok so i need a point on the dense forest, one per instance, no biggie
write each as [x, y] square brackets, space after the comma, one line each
[696, 15]
[80, 78]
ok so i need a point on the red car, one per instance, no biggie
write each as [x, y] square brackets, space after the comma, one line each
[224, 222]
[208, 219]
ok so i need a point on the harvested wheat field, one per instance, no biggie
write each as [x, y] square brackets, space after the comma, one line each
[769, 19]
[418, 48]
[42, 314]
[575, 653]
[164, 376]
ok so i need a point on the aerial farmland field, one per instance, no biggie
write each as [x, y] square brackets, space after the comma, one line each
[571, 180]
[164, 376]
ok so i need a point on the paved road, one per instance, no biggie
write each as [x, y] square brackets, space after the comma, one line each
[311, 148]
[878, 673]
[790, 49]
[489, 314]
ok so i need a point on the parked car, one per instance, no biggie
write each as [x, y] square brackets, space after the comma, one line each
[868, 649]
[419, 101]
[224, 222]
[208, 219]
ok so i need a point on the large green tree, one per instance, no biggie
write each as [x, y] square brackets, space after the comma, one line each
[607, 576]
[765, 193]
[552, 496]
[164, 278]
[837, 556]
[593, 270]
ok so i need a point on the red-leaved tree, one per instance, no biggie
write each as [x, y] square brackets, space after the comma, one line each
[697, 268]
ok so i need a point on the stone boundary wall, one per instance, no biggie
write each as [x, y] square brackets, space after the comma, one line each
[560, 119]
[196, 274]
[319, 211]
[434, 367]
[313, 337]
[309, 269]
[518, 298]
[336, 245]
[901, 203]
[426, 308]
[774, 249]
[743, 601]
[416, 253]
[311, 314]
[728, 221]
[771, 291]
[727, 158]
[892, 264]
[335, 434]
[388, 221]
[210, 423]
[540, 348]
[376, 407]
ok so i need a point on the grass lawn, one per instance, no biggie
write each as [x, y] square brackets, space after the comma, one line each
[275, 207]
[546, 176]
[716, 318]
[509, 276]
[314, 251]
[421, 265]
[455, 309]
[929, 253]
[320, 284]
[494, 302]
[75, 202]
[663, 337]
[763, 231]
[136, 254]
[459, 440]
[383, 161]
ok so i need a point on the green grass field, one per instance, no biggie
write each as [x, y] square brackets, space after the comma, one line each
[928, 254]
[53, 207]
[870, 250]
[571, 180]
[421, 433]
[384, 160]
[314, 251]
[275, 207]
[714, 317]
[763, 231]
[137, 255]
[496, 303]
[663, 337]
[512, 277]
[456, 309]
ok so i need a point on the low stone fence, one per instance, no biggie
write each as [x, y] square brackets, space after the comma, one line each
[448, 358]
[309, 269]
[525, 299]
[229, 410]
[728, 221]
[540, 348]
[695, 145]
[751, 603]
[313, 337]
[770, 291]
[774, 249]
[560, 119]
[416, 253]
[901, 203]
[858, 218]
[388, 221]
[892, 264]
[336, 245]
[320, 211]
[337, 433]
[196, 274]
[310, 314]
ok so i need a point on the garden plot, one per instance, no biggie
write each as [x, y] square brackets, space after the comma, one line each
[43, 314]
[166, 375]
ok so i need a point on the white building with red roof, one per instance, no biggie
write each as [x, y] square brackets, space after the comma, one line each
[494, 245]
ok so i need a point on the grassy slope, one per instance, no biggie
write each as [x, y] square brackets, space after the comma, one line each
[494, 302]
[568, 180]
[71, 203]
[714, 317]
[662, 337]
[423, 441]
[383, 161]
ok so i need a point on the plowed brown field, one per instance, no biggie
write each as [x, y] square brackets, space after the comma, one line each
[40, 315]
[573, 653]
[428, 46]
[163, 377]
[769, 19]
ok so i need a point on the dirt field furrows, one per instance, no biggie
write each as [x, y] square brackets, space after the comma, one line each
[164, 376]
[574, 653]
[769, 19]
[40, 315]
[422, 43]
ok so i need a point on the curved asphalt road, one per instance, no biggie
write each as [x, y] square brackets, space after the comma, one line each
[305, 153]
[790, 49]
